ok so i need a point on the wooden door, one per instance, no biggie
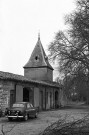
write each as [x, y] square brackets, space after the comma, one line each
[12, 97]
[41, 99]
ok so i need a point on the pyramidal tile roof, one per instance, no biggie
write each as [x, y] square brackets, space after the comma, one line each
[38, 57]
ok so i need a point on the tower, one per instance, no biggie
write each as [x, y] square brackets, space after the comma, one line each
[38, 66]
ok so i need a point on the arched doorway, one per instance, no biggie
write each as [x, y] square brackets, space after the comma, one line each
[56, 99]
[25, 95]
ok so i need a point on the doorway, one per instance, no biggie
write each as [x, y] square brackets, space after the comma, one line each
[25, 95]
[50, 99]
[56, 99]
[41, 100]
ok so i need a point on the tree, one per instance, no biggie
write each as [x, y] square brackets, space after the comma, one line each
[58, 80]
[71, 48]
[76, 86]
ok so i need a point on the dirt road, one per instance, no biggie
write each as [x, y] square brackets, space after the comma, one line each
[37, 125]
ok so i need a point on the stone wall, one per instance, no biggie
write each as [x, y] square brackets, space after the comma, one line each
[36, 97]
[43, 74]
[43, 96]
[5, 87]
[50, 74]
[19, 93]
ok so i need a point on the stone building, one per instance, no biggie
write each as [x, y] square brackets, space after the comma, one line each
[36, 86]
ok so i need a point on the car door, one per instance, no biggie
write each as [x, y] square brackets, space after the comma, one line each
[30, 110]
[33, 110]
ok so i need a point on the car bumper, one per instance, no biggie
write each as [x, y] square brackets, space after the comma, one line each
[15, 116]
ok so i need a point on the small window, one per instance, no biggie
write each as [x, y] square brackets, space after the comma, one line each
[36, 58]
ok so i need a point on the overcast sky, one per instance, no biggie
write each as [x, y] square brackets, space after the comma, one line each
[20, 22]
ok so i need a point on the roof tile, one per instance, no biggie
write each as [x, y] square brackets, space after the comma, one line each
[15, 77]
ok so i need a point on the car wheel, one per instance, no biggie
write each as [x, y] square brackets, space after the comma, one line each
[10, 119]
[26, 117]
[36, 115]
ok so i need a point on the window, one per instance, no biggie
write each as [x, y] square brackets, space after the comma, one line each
[28, 105]
[36, 58]
[31, 105]
[18, 105]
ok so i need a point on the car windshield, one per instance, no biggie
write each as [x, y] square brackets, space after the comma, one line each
[18, 105]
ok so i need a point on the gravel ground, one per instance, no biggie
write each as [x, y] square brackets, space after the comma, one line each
[37, 125]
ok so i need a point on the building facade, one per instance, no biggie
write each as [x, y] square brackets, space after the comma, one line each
[36, 86]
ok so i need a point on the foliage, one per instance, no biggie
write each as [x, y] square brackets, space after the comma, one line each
[58, 80]
[70, 48]
[3, 130]
[64, 127]
[76, 85]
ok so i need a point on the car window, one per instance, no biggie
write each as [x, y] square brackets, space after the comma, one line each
[18, 105]
[28, 105]
[31, 105]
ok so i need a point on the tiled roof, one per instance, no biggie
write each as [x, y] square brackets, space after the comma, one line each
[15, 77]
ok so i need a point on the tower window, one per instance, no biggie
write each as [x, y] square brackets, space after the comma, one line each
[36, 57]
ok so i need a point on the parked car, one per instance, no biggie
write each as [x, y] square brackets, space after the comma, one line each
[20, 110]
